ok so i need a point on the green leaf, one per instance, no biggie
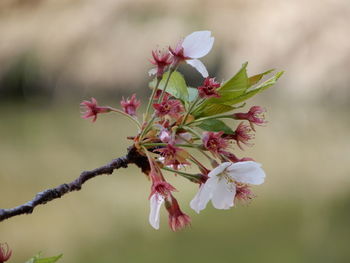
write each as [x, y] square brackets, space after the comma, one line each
[192, 94]
[176, 85]
[256, 78]
[263, 86]
[215, 125]
[234, 87]
[49, 260]
[213, 109]
[37, 259]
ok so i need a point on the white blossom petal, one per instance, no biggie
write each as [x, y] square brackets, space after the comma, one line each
[219, 169]
[223, 194]
[247, 172]
[205, 193]
[199, 66]
[156, 202]
[198, 44]
[152, 71]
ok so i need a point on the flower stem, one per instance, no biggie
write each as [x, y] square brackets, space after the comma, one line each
[212, 117]
[126, 115]
[191, 177]
[171, 70]
[151, 99]
[190, 110]
[165, 144]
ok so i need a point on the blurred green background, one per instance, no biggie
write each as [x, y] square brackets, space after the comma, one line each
[54, 54]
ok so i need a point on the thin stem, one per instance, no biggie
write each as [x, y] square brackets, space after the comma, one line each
[151, 99]
[190, 110]
[146, 129]
[191, 177]
[212, 117]
[126, 115]
[165, 144]
[171, 70]
[192, 131]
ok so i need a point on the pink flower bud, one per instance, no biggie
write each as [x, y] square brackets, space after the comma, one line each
[255, 116]
[130, 105]
[5, 252]
[159, 185]
[243, 193]
[214, 142]
[161, 60]
[242, 135]
[170, 107]
[177, 219]
[92, 109]
[174, 156]
[209, 88]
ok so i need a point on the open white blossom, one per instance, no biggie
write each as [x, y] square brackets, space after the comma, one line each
[220, 187]
[197, 45]
[156, 202]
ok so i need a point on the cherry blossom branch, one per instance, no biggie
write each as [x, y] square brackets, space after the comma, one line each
[133, 156]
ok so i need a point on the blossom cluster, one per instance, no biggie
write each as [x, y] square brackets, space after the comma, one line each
[183, 125]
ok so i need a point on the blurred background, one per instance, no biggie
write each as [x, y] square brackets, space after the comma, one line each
[54, 54]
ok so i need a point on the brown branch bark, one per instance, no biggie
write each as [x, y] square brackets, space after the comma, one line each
[133, 156]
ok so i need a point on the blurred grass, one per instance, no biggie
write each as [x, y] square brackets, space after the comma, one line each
[301, 213]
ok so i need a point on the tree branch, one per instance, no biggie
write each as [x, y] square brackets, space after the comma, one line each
[133, 156]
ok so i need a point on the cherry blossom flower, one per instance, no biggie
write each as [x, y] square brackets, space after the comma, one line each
[255, 116]
[130, 105]
[221, 187]
[209, 88]
[5, 252]
[174, 156]
[214, 142]
[161, 60]
[170, 107]
[194, 46]
[177, 219]
[156, 202]
[92, 109]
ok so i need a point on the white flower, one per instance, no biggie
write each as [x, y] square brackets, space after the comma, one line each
[194, 46]
[156, 202]
[220, 187]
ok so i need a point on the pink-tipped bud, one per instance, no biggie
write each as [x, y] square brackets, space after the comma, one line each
[161, 60]
[209, 88]
[130, 105]
[255, 116]
[5, 252]
[177, 219]
[91, 109]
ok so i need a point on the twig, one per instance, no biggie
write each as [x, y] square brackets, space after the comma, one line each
[48, 195]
